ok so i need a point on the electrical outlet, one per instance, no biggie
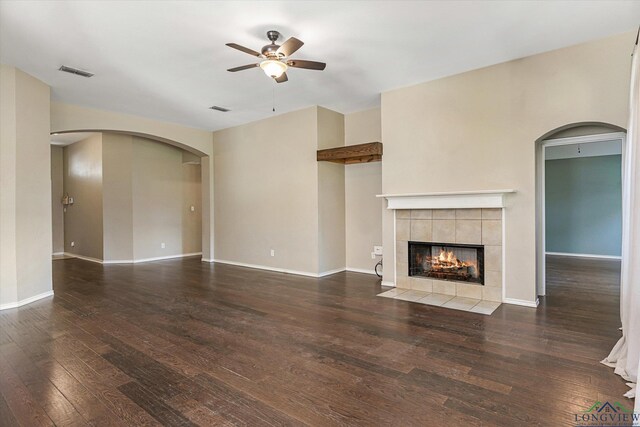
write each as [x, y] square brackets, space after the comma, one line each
[73, 244]
[273, 252]
[162, 245]
[377, 250]
[193, 208]
[373, 255]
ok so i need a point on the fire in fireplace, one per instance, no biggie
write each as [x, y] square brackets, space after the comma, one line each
[446, 261]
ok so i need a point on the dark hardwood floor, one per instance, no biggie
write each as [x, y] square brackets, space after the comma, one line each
[184, 342]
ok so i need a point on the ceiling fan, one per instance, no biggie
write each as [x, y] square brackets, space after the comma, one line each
[275, 57]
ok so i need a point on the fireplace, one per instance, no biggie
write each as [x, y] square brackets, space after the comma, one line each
[447, 261]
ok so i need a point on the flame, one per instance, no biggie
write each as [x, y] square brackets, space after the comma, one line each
[447, 259]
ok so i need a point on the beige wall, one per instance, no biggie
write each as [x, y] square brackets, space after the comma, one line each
[8, 186]
[83, 181]
[362, 183]
[485, 124]
[66, 117]
[265, 197]
[157, 199]
[57, 191]
[25, 196]
[363, 126]
[117, 194]
[266, 192]
[191, 196]
[331, 196]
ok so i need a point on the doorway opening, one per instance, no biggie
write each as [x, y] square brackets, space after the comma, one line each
[579, 208]
[123, 198]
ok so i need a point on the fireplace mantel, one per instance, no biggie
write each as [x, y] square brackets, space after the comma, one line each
[447, 200]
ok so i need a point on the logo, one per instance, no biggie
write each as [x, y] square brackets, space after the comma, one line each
[606, 414]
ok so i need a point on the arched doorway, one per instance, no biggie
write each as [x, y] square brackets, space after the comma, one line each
[135, 211]
[74, 118]
[570, 138]
[157, 138]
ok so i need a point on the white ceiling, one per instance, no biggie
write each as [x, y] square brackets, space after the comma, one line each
[167, 60]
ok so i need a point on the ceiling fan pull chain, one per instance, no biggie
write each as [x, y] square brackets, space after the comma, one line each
[274, 99]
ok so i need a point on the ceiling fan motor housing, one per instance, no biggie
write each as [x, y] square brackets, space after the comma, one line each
[270, 50]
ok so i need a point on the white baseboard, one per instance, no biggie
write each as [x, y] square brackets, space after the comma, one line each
[264, 267]
[523, 302]
[82, 257]
[279, 270]
[207, 260]
[388, 284]
[26, 300]
[131, 261]
[583, 255]
[330, 272]
[57, 254]
[361, 270]
[159, 258]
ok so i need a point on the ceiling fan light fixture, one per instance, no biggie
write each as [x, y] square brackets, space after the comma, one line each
[273, 68]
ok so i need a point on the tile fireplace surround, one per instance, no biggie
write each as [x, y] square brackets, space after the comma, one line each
[474, 226]
[468, 218]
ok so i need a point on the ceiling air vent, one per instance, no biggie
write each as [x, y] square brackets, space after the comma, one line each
[215, 107]
[75, 71]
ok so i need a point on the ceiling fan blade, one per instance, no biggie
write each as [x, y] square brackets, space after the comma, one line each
[283, 78]
[309, 65]
[244, 49]
[290, 46]
[243, 67]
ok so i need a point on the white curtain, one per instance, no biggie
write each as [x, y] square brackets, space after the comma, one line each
[625, 356]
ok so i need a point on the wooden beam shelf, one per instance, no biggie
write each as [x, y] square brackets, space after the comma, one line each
[360, 153]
